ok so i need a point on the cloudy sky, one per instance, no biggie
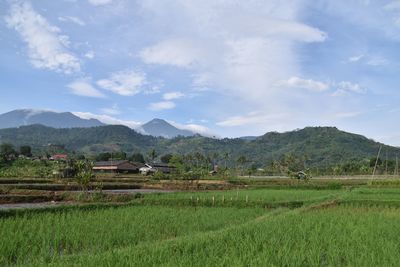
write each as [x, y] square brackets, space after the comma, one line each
[226, 67]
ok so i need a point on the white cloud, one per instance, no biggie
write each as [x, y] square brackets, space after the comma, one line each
[155, 89]
[84, 88]
[252, 118]
[356, 58]
[163, 105]
[179, 53]
[308, 84]
[114, 110]
[195, 128]
[89, 54]
[275, 27]
[371, 60]
[108, 119]
[173, 95]
[75, 20]
[345, 88]
[377, 61]
[100, 2]
[47, 48]
[124, 83]
[239, 48]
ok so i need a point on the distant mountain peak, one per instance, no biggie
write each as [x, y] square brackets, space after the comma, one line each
[162, 128]
[157, 120]
[22, 117]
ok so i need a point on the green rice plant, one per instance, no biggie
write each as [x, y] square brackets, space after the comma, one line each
[47, 236]
[339, 236]
[248, 195]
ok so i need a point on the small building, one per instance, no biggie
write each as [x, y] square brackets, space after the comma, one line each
[117, 166]
[163, 167]
[147, 169]
[59, 157]
[151, 168]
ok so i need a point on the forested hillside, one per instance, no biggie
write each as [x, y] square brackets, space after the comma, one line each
[318, 146]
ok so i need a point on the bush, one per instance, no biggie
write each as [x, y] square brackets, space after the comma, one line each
[158, 175]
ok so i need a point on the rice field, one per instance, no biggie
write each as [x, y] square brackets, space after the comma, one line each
[266, 195]
[326, 230]
[48, 236]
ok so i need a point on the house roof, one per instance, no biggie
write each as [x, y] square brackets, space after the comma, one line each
[161, 165]
[60, 156]
[110, 163]
[117, 164]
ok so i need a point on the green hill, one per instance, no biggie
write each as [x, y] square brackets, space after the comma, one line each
[322, 146]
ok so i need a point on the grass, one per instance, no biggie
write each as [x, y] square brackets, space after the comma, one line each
[250, 195]
[47, 236]
[334, 237]
[355, 226]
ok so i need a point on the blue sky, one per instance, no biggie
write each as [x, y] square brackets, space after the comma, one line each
[226, 68]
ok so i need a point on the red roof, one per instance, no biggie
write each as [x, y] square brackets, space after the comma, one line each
[60, 156]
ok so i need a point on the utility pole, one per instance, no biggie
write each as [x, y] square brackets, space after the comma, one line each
[386, 171]
[376, 162]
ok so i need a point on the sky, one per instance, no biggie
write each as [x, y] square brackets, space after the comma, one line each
[227, 68]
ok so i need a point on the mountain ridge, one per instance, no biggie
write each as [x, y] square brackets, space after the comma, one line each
[23, 117]
[322, 146]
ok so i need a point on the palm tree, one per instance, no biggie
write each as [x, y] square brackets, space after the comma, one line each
[226, 157]
[241, 161]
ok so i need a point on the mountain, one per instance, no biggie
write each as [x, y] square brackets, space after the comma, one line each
[21, 117]
[161, 128]
[322, 146]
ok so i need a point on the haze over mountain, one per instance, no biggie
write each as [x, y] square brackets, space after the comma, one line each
[21, 117]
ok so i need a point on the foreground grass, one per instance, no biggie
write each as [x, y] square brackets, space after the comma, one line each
[45, 237]
[332, 237]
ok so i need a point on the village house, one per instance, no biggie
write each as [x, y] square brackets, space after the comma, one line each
[151, 168]
[59, 157]
[117, 166]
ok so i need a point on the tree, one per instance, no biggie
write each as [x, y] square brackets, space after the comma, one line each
[252, 169]
[84, 174]
[177, 162]
[241, 161]
[226, 157]
[80, 157]
[7, 151]
[25, 150]
[153, 155]
[119, 155]
[166, 158]
[103, 156]
[137, 157]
